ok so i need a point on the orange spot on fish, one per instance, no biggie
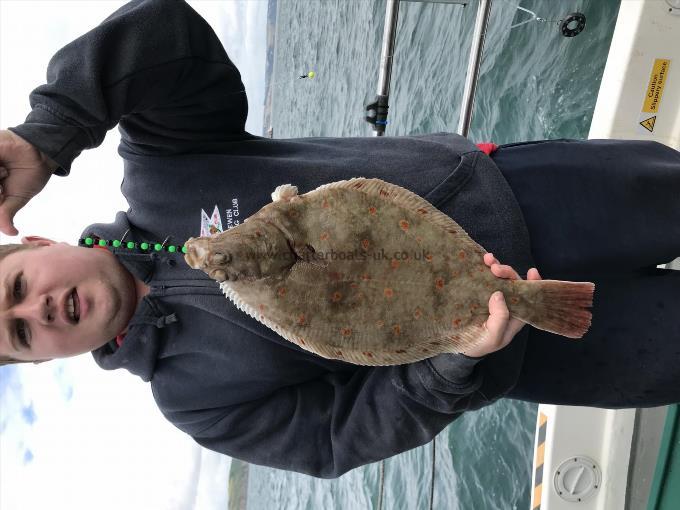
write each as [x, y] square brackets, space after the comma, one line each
[384, 193]
[396, 329]
[372, 210]
[461, 254]
[365, 243]
[301, 319]
[336, 297]
[394, 263]
[388, 292]
[456, 322]
[258, 233]
[369, 354]
[324, 236]
[514, 300]
[282, 291]
[324, 204]
[346, 331]
[417, 314]
[404, 225]
[338, 353]
[439, 283]
[428, 257]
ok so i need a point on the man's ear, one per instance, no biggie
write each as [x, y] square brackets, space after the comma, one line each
[37, 241]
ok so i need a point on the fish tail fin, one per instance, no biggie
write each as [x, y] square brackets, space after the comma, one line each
[556, 306]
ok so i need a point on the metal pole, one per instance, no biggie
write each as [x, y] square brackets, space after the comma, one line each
[386, 54]
[473, 66]
[457, 2]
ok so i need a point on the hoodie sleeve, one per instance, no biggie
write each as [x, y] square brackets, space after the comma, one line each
[156, 68]
[330, 425]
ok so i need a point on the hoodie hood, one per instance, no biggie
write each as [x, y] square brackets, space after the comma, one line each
[139, 350]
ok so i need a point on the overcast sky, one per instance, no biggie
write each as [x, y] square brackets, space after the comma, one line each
[72, 434]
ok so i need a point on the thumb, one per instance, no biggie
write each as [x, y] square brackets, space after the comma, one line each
[8, 209]
[499, 315]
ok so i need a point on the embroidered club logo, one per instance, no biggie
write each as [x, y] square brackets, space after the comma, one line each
[211, 225]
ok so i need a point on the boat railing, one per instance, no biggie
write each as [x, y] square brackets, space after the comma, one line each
[377, 111]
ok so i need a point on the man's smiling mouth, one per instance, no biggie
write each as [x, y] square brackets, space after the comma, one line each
[72, 307]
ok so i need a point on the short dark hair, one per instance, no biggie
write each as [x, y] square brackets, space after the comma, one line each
[6, 249]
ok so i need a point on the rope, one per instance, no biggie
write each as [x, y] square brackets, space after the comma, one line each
[381, 487]
[382, 484]
[434, 443]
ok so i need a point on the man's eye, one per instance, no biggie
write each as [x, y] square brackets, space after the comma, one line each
[17, 287]
[21, 333]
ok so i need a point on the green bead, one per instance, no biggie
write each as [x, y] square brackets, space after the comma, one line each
[116, 243]
[171, 249]
[89, 241]
[158, 247]
[145, 246]
[184, 249]
[130, 245]
[102, 242]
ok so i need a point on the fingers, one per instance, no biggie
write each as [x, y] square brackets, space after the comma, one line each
[507, 272]
[533, 274]
[500, 270]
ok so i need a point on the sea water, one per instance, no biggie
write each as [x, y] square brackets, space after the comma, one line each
[534, 84]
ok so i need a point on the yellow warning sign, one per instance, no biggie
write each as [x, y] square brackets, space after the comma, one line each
[657, 82]
[648, 124]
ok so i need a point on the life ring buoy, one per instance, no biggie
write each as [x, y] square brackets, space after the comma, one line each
[580, 23]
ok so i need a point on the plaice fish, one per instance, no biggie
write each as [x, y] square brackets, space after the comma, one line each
[370, 273]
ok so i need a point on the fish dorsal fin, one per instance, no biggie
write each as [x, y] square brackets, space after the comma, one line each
[410, 201]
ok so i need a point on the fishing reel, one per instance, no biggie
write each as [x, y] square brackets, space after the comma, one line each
[377, 113]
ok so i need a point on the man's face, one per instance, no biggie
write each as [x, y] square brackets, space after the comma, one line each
[34, 289]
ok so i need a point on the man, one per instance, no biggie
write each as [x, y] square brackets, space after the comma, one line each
[156, 68]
